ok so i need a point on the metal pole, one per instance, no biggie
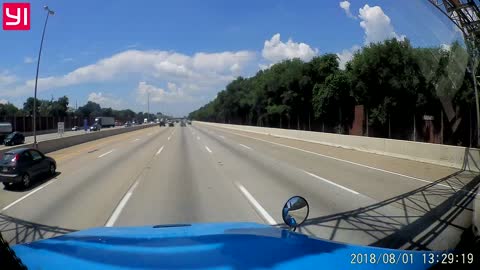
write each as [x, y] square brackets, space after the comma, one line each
[476, 98]
[470, 120]
[414, 128]
[35, 145]
[389, 129]
[367, 123]
[441, 126]
[148, 106]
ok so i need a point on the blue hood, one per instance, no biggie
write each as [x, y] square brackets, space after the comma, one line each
[198, 246]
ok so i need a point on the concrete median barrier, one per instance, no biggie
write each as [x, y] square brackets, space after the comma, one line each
[51, 145]
[445, 155]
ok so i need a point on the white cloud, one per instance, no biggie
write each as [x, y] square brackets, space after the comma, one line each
[28, 60]
[376, 24]
[345, 5]
[105, 100]
[7, 78]
[274, 50]
[67, 59]
[3, 101]
[173, 94]
[347, 55]
[446, 47]
[201, 69]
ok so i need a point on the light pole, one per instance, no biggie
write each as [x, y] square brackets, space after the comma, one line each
[35, 145]
[148, 107]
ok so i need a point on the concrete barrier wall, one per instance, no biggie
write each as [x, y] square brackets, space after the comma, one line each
[445, 155]
[60, 143]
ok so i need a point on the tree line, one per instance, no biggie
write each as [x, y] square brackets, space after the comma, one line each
[60, 108]
[392, 80]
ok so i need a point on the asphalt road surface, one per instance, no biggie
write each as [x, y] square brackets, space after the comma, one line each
[164, 175]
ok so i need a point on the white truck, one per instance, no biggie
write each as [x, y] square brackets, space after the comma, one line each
[105, 121]
[5, 129]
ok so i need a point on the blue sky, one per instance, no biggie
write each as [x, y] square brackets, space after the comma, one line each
[183, 52]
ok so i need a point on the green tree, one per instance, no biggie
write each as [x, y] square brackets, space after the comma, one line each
[8, 109]
[90, 109]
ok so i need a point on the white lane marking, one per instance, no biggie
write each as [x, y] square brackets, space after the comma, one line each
[221, 136]
[198, 138]
[256, 205]
[243, 145]
[159, 151]
[338, 159]
[104, 154]
[111, 221]
[208, 149]
[137, 139]
[169, 138]
[332, 183]
[28, 195]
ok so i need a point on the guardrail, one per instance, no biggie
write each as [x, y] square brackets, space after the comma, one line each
[51, 145]
[446, 155]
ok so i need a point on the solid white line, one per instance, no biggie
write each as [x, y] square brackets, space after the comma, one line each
[104, 154]
[159, 151]
[338, 159]
[332, 183]
[198, 138]
[137, 139]
[208, 149]
[269, 219]
[28, 195]
[111, 221]
[243, 145]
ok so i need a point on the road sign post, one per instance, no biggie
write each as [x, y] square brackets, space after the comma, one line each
[61, 128]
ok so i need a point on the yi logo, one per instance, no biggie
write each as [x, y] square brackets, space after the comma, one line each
[16, 16]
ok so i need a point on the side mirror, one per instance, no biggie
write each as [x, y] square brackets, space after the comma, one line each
[295, 211]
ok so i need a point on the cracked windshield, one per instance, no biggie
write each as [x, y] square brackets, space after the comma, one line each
[175, 134]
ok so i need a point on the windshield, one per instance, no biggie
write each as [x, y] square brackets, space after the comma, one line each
[11, 135]
[219, 111]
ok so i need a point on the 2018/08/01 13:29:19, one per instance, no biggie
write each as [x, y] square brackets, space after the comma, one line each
[410, 258]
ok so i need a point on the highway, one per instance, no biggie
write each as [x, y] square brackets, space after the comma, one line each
[164, 175]
[54, 135]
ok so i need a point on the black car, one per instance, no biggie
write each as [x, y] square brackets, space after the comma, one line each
[183, 124]
[161, 123]
[19, 166]
[171, 124]
[95, 127]
[14, 138]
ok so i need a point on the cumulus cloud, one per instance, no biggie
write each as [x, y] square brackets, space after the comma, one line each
[445, 47]
[173, 93]
[275, 50]
[347, 55]
[7, 78]
[28, 60]
[105, 100]
[345, 5]
[202, 69]
[376, 24]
